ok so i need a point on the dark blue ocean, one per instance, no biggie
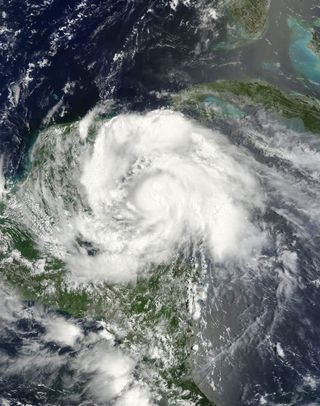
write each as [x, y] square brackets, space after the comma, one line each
[59, 60]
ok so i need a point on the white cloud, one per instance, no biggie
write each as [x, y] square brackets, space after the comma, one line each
[150, 186]
[157, 183]
[62, 331]
[136, 396]
[111, 369]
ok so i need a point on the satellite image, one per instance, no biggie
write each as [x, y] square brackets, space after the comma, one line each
[159, 202]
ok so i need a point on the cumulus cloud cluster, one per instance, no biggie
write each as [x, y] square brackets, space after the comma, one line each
[92, 364]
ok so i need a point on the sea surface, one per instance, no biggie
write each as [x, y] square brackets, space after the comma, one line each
[159, 202]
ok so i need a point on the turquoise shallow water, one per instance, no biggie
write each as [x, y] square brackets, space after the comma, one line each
[304, 59]
[223, 108]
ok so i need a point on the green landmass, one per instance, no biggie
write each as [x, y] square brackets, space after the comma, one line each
[314, 44]
[251, 94]
[252, 15]
[151, 313]
[245, 21]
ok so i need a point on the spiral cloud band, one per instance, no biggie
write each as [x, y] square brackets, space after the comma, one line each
[151, 187]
